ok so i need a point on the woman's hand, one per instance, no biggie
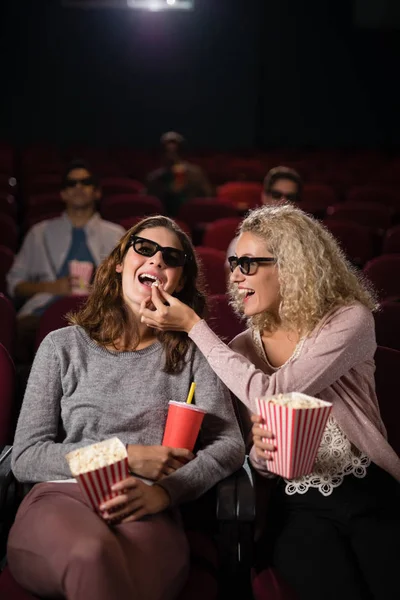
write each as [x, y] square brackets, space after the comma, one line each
[155, 462]
[137, 500]
[173, 316]
[263, 449]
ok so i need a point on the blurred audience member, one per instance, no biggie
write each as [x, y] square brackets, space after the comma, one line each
[40, 272]
[281, 185]
[177, 180]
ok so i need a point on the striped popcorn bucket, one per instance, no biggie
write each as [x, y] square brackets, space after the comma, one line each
[81, 271]
[96, 485]
[298, 431]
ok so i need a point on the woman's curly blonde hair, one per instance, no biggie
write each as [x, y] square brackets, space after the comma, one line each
[314, 275]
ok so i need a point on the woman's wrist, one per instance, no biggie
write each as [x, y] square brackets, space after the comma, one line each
[192, 320]
[164, 497]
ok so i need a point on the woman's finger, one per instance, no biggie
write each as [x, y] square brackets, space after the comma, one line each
[259, 443]
[126, 484]
[114, 503]
[136, 516]
[261, 432]
[164, 295]
[168, 470]
[263, 455]
[157, 298]
[256, 418]
[125, 511]
[175, 464]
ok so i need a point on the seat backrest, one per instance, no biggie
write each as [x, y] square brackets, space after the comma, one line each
[383, 272]
[363, 213]
[220, 233]
[44, 201]
[7, 391]
[7, 323]
[120, 185]
[131, 221]
[54, 316]
[204, 210]
[8, 205]
[387, 363]
[212, 263]
[6, 261]
[121, 206]
[318, 194]
[357, 241]
[373, 193]
[387, 325]
[391, 242]
[243, 195]
[222, 319]
[8, 232]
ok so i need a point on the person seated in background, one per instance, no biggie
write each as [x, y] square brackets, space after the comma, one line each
[281, 184]
[108, 375]
[334, 533]
[177, 181]
[40, 272]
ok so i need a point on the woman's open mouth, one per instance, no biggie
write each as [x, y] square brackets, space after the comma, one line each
[245, 293]
[148, 280]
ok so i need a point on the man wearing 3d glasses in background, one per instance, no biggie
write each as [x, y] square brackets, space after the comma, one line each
[281, 185]
[40, 272]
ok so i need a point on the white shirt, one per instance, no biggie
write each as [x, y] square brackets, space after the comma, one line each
[45, 248]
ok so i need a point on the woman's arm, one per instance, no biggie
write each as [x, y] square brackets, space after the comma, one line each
[222, 447]
[346, 339]
[36, 455]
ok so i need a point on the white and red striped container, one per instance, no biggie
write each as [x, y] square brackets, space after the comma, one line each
[96, 485]
[298, 432]
[97, 468]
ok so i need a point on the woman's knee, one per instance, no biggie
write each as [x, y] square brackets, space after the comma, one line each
[94, 549]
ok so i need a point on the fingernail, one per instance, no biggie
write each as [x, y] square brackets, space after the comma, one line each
[142, 319]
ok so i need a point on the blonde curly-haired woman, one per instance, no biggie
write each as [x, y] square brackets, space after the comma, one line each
[311, 330]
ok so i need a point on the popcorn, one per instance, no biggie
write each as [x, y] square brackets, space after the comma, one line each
[297, 422]
[98, 467]
[295, 400]
[155, 283]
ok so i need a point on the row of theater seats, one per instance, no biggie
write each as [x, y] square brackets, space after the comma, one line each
[336, 166]
[379, 257]
[42, 196]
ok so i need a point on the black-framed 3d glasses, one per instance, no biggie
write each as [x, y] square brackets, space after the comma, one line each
[248, 265]
[278, 195]
[86, 181]
[172, 257]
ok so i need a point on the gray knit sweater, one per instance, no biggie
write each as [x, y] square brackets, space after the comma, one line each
[96, 394]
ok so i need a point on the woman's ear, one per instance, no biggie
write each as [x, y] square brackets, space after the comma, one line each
[118, 268]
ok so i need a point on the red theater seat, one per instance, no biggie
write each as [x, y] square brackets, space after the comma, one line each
[383, 272]
[220, 233]
[212, 264]
[7, 323]
[54, 316]
[122, 206]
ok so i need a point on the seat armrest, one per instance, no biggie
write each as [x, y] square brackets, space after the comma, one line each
[5, 471]
[236, 496]
[226, 498]
[245, 494]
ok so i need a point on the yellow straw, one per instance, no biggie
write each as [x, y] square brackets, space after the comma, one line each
[191, 393]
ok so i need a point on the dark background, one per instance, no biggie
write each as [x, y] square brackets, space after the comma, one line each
[233, 74]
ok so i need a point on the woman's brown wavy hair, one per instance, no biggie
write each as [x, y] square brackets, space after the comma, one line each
[104, 316]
